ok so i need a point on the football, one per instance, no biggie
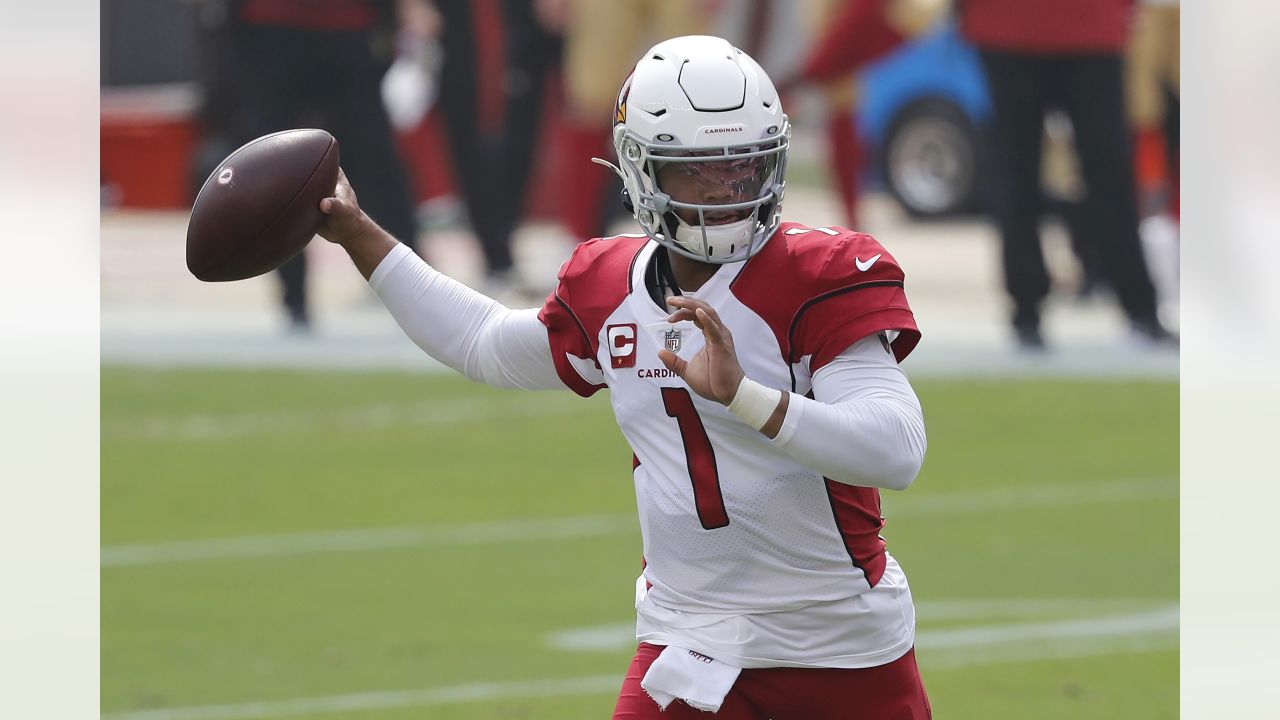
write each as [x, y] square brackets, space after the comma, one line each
[261, 205]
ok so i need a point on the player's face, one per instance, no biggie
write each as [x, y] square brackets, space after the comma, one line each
[714, 182]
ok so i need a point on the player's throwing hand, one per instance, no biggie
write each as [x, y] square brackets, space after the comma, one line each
[344, 220]
[714, 372]
[345, 224]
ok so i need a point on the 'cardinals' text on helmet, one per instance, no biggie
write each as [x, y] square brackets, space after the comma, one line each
[702, 146]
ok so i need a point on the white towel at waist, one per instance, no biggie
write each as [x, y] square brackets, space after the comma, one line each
[690, 676]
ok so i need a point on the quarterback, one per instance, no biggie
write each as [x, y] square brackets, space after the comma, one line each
[752, 365]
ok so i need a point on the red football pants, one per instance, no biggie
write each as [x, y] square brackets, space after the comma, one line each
[887, 692]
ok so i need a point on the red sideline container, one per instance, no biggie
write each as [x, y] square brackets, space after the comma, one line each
[149, 136]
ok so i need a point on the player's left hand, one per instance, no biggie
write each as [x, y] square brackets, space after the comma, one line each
[714, 372]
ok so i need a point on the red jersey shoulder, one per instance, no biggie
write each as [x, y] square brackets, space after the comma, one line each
[593, 282]
[820, 289]
[826, 258]
[600, 266]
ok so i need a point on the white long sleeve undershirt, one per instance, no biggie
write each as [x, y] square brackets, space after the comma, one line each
[471, 333]
[864, 427]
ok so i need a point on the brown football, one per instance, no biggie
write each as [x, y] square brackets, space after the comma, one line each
[261, 206]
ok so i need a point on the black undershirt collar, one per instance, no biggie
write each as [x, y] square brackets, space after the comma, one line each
[659, 279]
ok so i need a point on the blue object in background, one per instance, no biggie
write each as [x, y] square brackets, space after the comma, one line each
[940, 64]
[920, 114]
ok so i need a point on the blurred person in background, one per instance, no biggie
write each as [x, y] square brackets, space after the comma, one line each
[1039, 54]
[846, 36]
[497, 54]
[1153, 82]
[1153, 93]
[602, 39]
[753, 369]
[314, 63]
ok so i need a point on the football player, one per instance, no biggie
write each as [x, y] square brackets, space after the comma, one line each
[753, 368]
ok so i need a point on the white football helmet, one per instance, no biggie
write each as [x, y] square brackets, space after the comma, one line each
[699, 131]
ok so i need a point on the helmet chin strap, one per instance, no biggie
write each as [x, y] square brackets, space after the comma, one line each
[721, 243]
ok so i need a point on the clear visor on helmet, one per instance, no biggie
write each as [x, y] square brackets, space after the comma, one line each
[724, 184]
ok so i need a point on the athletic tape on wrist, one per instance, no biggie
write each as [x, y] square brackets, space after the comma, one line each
[754, 403]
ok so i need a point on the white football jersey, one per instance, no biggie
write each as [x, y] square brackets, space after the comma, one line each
[750, 557]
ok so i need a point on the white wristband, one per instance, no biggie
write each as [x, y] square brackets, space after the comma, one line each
[754, 403]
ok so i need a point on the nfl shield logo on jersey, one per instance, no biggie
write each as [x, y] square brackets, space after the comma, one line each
[672, 340]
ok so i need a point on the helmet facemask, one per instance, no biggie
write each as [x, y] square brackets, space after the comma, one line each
[712, 204]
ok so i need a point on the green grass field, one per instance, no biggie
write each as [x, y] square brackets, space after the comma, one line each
[384, 546]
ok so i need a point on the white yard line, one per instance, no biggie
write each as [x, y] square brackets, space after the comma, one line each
[618, 636]
[596, 638]
[225, 426]
[357, 540]
[1133, 633]
[1054, 633]
[987, 500]
[1029, 496]
[452, 695]
[1030, 608]
[1126, 644]
[1158, 620]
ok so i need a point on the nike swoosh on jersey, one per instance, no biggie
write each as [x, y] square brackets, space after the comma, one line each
[865, 266]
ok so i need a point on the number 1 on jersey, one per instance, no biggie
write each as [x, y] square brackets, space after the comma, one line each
[700, 456]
